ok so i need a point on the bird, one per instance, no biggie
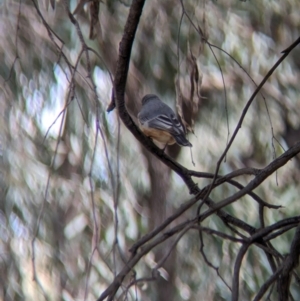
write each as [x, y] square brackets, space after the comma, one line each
[159, 122]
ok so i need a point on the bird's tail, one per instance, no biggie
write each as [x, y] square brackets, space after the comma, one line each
[181, 140]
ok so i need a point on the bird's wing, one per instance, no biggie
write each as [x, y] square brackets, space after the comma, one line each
[163, 122]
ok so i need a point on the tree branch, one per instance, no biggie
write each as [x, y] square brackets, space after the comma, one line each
[118, 97]
[255, 238]
[290, 262]
[263, 174]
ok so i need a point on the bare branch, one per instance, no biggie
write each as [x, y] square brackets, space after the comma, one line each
[290, 262]
[263, 174]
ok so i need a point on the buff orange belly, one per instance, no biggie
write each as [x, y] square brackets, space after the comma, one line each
[158, 135]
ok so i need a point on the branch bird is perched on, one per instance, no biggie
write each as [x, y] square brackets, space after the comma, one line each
[159, 122]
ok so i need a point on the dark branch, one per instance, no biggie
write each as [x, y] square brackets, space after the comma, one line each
[119, 94]
[263, 174]
[290, 262]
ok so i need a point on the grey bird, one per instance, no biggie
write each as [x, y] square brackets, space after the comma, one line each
[159, 122]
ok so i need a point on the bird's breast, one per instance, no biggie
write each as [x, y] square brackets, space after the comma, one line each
[158, 135]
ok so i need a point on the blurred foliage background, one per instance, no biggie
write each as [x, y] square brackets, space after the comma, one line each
[76, 188]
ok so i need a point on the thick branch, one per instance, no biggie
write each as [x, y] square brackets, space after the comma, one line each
[119, 94]
[284, 271]
[290, 262]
